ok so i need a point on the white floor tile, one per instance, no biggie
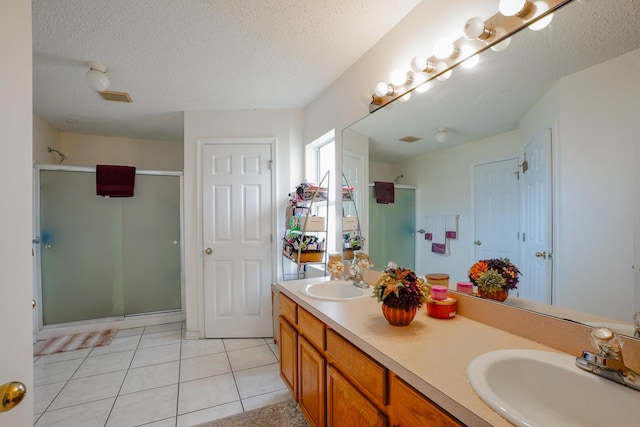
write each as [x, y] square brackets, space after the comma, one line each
[209, 414]
[251, 357]
[257, 381]
[266, 399]
[89, 389]
[195, 348]
[43, 395]
[117, 345]
[163, 327]
[207, 392]
[238, 343]
[94, 365]
[169, 422]
[160, 338]
[61, 357]
[55, 372]
[144, 407]
[92, 414]
[129, 332]
[204, 366]
[155, 355]
[149, 377]
[275, 349]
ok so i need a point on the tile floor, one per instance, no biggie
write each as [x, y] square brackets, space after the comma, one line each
[152, 377]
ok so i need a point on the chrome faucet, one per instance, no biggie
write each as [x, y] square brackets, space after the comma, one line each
[608, 362]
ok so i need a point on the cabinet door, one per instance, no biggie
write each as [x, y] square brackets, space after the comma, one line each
[346, 406]
[312, 382]
[411, 408]
[289, 356]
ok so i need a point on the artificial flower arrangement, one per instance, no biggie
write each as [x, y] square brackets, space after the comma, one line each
[494, 275]
[400, 288]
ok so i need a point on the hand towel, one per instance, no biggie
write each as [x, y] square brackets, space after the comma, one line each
[115, 181]
[451, 226]
[384, 192]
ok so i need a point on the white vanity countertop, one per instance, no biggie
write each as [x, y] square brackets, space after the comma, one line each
[430, 354]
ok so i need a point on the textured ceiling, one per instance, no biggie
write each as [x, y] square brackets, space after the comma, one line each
[179, 55]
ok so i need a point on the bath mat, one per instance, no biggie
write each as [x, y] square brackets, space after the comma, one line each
[73, 342]
[284, 414]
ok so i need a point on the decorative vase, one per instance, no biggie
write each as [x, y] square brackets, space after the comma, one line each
[398, 316]
[498, 296]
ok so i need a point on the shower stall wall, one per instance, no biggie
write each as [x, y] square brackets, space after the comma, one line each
[107, 257]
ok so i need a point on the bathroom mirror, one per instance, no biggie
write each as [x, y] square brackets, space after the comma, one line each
[574, 84]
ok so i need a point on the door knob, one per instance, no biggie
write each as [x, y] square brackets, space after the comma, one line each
[208, 251]
[11, 394]
[541, 255]
[477, 243]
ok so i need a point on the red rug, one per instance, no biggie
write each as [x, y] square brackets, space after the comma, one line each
[73, 342]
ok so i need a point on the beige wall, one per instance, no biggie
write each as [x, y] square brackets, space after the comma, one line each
[44, 136]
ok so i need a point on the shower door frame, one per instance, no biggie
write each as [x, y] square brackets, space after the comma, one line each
[118, 322]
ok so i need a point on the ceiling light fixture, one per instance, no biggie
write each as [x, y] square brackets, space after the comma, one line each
[441, 135]
[96, 77]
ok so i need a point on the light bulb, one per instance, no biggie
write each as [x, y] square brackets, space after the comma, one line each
[96, 77]
[476, 29]
[541, 7]
[444, 49]
[420, 64]
[382, 89]
[511, 7]
[405, 97]
[440, 67]
[423, 87]
[502, 45]
[471, 62]
[400, 77]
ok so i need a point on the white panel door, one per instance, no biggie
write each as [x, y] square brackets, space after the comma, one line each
[353, 171]
[496, 210]
[237, 248]
[536, 281]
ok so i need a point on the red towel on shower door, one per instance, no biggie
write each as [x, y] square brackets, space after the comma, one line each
[384, 192]
[115, 181]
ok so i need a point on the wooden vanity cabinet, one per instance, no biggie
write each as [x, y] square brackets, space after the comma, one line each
[346, 406]
[289, 356]
[312, 383]
[288, 333]
[410, 408]
[337, 384]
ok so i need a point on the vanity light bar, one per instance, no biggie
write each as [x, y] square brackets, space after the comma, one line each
[495, 33]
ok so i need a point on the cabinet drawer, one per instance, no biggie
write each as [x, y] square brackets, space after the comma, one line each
[368, 374]
[311, 328]
[288, 309]
[411, 408]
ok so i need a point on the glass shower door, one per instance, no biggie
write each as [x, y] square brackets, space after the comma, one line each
[392, 230]
[108, 257]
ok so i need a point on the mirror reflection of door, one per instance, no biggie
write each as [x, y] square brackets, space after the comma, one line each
[496, 210]
[392, 229]
[536, 281]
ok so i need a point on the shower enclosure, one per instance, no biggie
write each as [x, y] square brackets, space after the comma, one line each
[105, 258]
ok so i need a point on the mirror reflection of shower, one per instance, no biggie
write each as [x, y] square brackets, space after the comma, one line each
[62, 156]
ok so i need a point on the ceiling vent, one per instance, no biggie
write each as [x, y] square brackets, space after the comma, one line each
[109, 95]
[410, 139]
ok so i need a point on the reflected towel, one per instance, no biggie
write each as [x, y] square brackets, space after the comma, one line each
[451, 227]
[384, 192]
[439, 248]
[115, 181]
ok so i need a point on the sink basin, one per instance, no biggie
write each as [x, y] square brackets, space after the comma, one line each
[335, 290]
[539, 388]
